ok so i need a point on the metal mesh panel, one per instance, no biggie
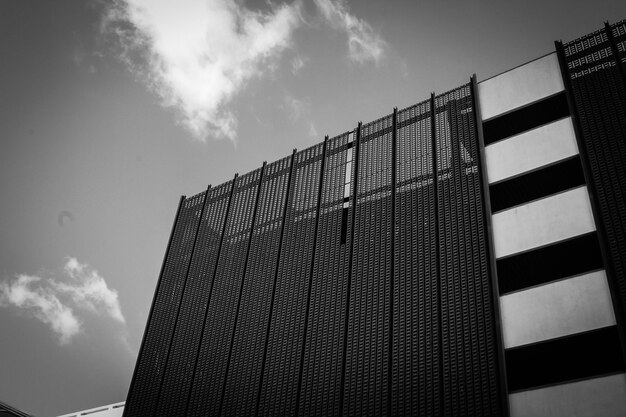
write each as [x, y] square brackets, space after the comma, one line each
[468, 338]
[151, 362]
[589, 54]
[416, 376]
[181, 360]
[209, 378]
[619, 33]
[600, 98]
[440, 344]
[280, 381]
[368, 332]
[323, 356]
[244, 375]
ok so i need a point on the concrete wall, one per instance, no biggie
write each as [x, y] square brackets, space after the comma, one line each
[604, 396]
[540, 222]
[564, 306]
[530, 150]
[520, 86]
[556, 309]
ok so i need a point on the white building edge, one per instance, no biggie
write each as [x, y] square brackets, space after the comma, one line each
[111, 410]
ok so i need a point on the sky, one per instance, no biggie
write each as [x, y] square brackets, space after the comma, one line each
[110, 110]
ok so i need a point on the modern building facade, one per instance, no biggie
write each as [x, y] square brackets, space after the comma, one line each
[463, 256]
[7, 411]
[111, 410]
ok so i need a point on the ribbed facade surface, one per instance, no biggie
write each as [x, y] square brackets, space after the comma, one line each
[463, 256]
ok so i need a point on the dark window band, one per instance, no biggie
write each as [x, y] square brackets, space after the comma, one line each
[344, 225]
[526, 118]
[578, 356]
[563, 259]
[536, 184]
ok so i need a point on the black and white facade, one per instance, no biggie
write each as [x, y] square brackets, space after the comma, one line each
[462, 256]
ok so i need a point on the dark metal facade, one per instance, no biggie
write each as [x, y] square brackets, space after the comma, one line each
[469, 355]
[151, 363]
[350, 278]
[212, 360]
[594, 68]
[322, 361]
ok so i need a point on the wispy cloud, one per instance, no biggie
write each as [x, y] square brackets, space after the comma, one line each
[56, 302]
[88, 290]
[30, 293]
[196, 56]
[65, 216]
[364, 44]
[295, 108]
[297, 64]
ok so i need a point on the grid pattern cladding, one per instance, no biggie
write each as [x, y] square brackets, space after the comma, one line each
[619, 34]
[210, 374]
[151, 361]
[600, 96]
[323, 356]
[181, 359]
[244, 374]
[467, 330]
[281, 378]
[366, 380]
[416, 378]
[298, 306]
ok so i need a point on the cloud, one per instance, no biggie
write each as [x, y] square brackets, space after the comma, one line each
[312, 131]
[196, 57]
[297, 64]
[55, 302]
[90, 291]
[296, 108]
[42, 303]
[404, 69]
[64, 216]
[364, 44]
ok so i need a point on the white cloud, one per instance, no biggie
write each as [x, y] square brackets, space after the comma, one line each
[197, 55]
[55, 302]
[364, 44]
[90, 291]
[312, 131]
[42, 303]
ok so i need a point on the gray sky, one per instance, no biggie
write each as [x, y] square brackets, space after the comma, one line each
[109, 111]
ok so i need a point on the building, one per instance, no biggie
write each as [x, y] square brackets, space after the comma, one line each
[463, 256]
[7, 411]
[111, 410]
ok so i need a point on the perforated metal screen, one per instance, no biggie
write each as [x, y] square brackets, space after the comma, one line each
[248, 345]
[185, 342]
[286, 334]
[349, 278]
[416, 380]
[323, 355]
[210, 374]
[468, 345]
[596, 68]
[151, 362]
[366, 383]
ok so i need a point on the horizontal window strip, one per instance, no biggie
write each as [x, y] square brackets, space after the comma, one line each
[604, 396]
[563, 259]
[556, 309]
[536, 184]
[526, 118]
[574, 357]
